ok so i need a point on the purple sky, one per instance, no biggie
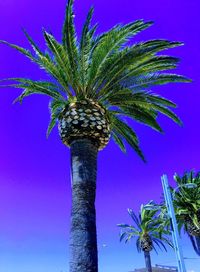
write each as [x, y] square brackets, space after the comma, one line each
[34, 172]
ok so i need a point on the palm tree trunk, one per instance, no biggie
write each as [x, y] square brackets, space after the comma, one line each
[147, 261]
[83, 238]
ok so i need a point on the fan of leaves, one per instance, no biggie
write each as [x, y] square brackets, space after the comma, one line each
[106, 69]
[187, 200]
[147, 223]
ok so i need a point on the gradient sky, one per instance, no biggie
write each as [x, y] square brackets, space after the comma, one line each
[34, 172]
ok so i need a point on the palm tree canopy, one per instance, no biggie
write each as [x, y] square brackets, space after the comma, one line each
[187, 200]
[104, 69]
[146, 224]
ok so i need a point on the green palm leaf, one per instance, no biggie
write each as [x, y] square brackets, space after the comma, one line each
[70, 40]
[147, 81]
[118, 140]
[22, 50]
[141, 116]
[62, 60]
[56, 107]
[186, 200]
[35, 87]
[112, 41]
[130, 58]
[127, 133]
[168, 113]
[86, 44]
[32, 43]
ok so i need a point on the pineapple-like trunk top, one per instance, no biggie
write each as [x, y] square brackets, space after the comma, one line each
[146, 243]
[84, 119]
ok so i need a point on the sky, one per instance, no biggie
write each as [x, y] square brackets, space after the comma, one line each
[35, 193]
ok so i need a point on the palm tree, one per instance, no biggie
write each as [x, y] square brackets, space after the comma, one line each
[187, 206]
[95, 83]
[149, 231]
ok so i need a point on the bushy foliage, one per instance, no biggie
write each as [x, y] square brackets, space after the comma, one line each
[106, 69]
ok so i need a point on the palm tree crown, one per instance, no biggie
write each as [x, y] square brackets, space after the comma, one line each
[148, 229]
[187, 202]
[105, 74]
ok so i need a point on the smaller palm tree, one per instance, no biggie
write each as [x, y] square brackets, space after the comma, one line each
[187, 206]
[186, 202]
[150, 231]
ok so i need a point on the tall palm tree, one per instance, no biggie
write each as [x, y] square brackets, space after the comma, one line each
[149, 231]
[187, 206]
[95, 83]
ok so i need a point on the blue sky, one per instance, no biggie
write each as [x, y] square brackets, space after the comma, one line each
[35, 192]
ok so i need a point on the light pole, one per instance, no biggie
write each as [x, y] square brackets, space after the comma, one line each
[174, 228]
[170, 210]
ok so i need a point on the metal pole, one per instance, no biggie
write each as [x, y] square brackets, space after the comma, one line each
[174, 228]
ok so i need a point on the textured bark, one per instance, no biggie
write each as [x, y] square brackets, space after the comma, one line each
[146, 243]
[83, 238]
[147, 261]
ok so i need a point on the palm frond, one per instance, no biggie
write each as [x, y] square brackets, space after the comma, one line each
[22, 50]
[128, 97]
[118, 140]
[157, 99]
[43, 60]
[128, 60]
[154, 64]
[69, 40]
[159, 244]
[122, 236]
[61, 59]
[127, 133]
[138, 245]
[168, 113]
[144, 102]
[56, 107]
[129, 237]
[154, 248]
[35, 87]
[124, 226]
[151, 79]
[32, 43]
[111, 41]
[134, 217]
[86, 29]
[86, 44]
[140, 115]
